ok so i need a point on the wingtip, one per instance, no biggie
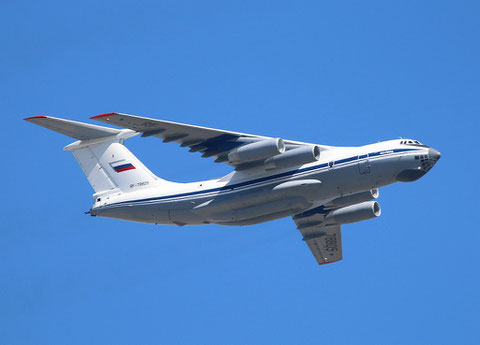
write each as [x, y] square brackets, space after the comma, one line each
[103, 115]
[34, 117]
[329, 262]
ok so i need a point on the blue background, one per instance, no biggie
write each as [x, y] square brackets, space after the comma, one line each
[343, 73]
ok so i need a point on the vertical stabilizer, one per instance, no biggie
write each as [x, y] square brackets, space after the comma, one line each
[109, 165]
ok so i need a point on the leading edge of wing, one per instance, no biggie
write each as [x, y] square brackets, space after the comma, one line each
[210, 142]
[149, 126]
[143, 124]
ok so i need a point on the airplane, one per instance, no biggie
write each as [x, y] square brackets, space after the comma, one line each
[321, 187]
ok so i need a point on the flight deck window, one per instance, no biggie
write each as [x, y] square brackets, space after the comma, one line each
[411, 142]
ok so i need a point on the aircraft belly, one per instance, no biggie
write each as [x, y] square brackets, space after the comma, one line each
[260, 219]
[287, 197]
[185, 216]
[144, 214]
[308, 189]
[289, 205]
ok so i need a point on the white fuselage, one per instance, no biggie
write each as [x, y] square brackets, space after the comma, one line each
[257, 195]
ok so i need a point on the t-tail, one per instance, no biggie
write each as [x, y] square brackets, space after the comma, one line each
[108, 165]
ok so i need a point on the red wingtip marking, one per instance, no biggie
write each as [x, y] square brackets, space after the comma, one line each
[35, 117]
[103, 115]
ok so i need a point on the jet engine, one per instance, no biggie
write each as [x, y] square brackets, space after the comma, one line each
[299, 156]
[353, 199]
[257, 150]
[354, 213]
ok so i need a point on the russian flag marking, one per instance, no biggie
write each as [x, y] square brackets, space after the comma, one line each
[123, 167]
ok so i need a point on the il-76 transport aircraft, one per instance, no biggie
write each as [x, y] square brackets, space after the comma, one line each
[320, 187]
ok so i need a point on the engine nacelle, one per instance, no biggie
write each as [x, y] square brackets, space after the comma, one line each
[353, 199]
[354, 213]
[257, 151]
[302, 155]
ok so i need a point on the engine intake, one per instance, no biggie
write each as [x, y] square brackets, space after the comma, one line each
[354, 213]
[257, 151]
[302, 155]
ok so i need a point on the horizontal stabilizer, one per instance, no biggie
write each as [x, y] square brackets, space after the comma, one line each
[74, 129]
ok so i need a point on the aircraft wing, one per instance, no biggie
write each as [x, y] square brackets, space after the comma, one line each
[73, 129]
[209, 142]
[324, 241]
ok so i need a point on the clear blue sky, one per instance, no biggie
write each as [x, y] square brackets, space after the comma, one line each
[336, 73]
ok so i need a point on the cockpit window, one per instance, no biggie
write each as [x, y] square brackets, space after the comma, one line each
[410, 142]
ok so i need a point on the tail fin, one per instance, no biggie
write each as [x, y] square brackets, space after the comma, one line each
[107, 163]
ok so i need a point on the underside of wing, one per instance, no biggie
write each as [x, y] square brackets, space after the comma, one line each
[320, 226]
[325, 243]
[223, 146]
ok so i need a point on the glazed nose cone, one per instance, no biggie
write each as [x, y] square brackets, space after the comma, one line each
[433, 157]
[409, 175]
[434, 154]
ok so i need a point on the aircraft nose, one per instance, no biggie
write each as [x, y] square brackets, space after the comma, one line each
[434, 154]
[427, 162]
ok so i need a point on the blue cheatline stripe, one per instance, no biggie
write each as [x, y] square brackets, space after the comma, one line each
[345, 160]
[263, 179]
[123, 166]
